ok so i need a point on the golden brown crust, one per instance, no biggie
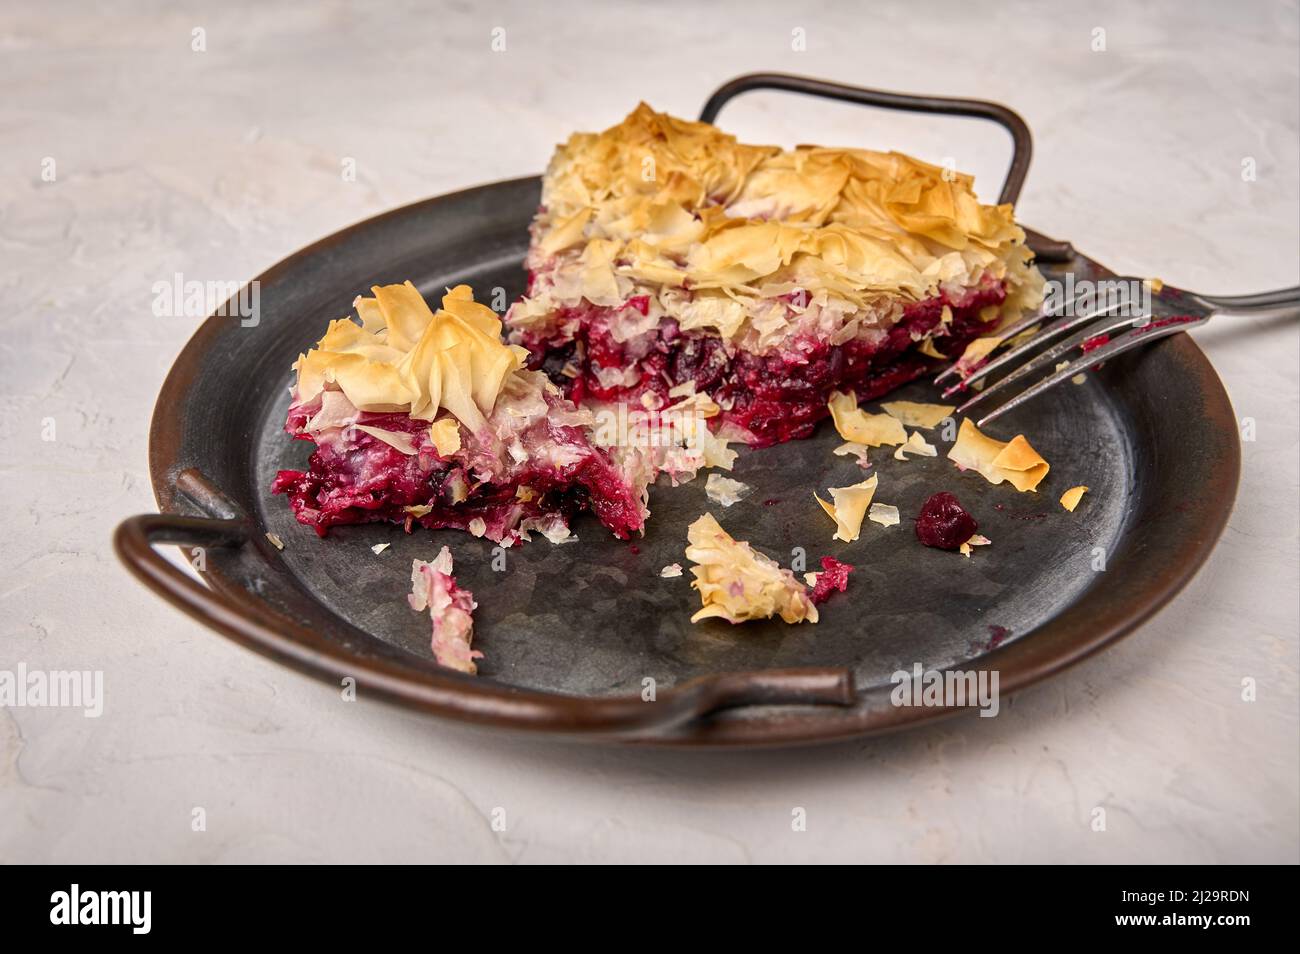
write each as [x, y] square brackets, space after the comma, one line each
[403, 356]
[660, 201]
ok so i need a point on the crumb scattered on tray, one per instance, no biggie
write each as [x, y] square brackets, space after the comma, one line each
[834, 577]
[725, 491]
[1070, 499]
[884, 514]
[853, 449]
[915, 414]
[737, 583]
[451, 609]
[849, 507]
[1014, 461]
[856, 425]
[975, 541]
[916, 444]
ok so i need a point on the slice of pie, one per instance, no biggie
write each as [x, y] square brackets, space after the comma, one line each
[666, 255]
[428, 418]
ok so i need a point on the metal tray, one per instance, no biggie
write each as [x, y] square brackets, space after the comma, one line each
[571, 634]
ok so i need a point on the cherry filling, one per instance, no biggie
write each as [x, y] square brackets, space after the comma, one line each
[944, 523]
[1095, 342]
[360, 479]
[833, 577]
[776, 396]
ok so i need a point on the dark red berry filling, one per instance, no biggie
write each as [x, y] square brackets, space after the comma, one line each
[944, 523]
[834, 577]
[1095, 342]
[776, 396]
[359, 479]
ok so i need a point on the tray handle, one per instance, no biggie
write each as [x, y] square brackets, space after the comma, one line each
[265, 631]
[1022, 143]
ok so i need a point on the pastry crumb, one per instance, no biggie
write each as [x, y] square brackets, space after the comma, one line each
[916, 444]
[725, 491]
[859, 427]
[884, 514]
[1070, 499]
[849, 507]
[451, 610]
[1014, 461]
[915, 414]
[737, 583]
[853, 449]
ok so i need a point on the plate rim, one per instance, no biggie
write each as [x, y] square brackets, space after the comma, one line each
[1056, 645]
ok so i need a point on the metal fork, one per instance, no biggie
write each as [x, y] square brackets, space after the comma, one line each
[1103, 329]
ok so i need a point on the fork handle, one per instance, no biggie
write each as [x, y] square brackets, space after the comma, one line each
[1283, 301]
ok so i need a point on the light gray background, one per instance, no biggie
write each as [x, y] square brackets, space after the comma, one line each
[216, 164]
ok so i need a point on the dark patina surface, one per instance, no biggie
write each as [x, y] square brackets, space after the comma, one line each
[572, 633]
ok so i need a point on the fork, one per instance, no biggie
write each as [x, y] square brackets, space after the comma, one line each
[1103, 329]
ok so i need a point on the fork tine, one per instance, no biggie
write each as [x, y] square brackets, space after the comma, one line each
[1016, 327]
[1117, 346]
[1023, 324]
[1049, 357]
[1058, 327]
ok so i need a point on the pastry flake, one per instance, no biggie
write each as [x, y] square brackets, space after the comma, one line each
[916, 444]
[1070, 499]
[1014, 461]
[915, 414]
[884, 514]
[725, 491]
[849, 507]
[858, 427]
[854, 450]
[737, 583]
[405, 356]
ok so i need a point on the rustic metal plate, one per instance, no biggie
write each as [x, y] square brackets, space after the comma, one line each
[1152, 435]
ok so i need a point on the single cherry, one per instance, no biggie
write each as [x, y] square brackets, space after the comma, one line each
[944, 522]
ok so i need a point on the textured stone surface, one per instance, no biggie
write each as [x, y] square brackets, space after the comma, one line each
[216, 164]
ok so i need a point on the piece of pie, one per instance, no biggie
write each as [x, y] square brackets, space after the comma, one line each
[667, 257]
[428, 418]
